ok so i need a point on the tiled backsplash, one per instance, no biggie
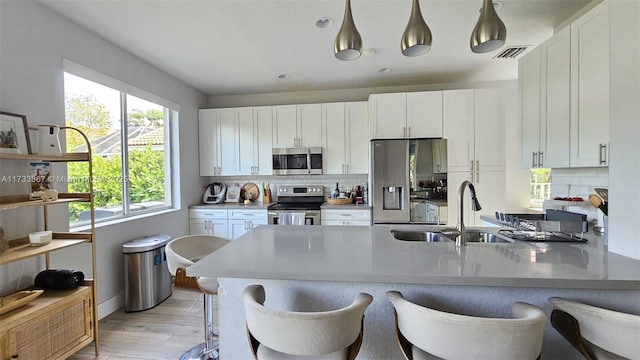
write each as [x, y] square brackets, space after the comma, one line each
[580, 182]
[347, 181]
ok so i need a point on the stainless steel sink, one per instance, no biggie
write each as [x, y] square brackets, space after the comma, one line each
[472, 236]
[426, 236]
[476, 236]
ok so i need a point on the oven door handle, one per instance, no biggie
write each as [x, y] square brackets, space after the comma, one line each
[309, 160]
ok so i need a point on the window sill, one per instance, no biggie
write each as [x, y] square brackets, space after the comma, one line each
[122, 219]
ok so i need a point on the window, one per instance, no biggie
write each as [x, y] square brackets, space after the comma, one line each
[130, 143]
[540, 186]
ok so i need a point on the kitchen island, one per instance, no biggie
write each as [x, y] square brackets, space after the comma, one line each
[314, 268]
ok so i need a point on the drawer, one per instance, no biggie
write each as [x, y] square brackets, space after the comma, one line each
[346, 215]
[208, 213]
[242, 214]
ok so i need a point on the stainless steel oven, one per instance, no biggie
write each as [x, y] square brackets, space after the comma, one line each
[297, 205]
[276, 217]
[297, 161]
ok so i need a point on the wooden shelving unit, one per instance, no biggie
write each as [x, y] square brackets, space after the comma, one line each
[41, 328]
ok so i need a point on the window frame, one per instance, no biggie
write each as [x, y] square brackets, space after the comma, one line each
[171, 112]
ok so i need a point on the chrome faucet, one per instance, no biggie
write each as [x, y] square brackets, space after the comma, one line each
[461, 239]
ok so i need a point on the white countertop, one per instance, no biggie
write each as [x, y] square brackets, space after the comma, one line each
[253, 205]
[352, 206]
[371, 254]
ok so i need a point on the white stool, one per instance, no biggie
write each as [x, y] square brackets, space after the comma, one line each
[279, 334]
[425, 333]
[181, 253]
[595, 332]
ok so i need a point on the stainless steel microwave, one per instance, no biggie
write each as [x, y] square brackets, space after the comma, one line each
[297, 161]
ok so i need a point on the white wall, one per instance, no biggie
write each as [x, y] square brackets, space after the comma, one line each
[33, 43]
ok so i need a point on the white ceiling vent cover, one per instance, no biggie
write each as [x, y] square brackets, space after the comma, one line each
[511, 52]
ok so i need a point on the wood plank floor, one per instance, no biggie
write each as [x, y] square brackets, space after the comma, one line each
[162, 333]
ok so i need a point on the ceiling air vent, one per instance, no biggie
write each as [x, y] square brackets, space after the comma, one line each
[511, 52]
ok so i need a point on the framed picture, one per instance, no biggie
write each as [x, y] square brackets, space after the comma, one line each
[233, 194]
[14, 134]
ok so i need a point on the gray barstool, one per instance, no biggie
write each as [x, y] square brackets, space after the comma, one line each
[279, 334]
[181, 253]
[425, 333]
[595, 332]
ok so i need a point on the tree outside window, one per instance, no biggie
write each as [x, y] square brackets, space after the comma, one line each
[130, 156]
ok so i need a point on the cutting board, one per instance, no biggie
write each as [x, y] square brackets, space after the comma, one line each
[251, 189]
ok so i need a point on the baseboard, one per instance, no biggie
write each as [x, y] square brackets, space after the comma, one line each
[111, 305]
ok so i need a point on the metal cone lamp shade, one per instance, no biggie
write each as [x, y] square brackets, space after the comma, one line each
[490, 32]
[348, 43]
[416, 39]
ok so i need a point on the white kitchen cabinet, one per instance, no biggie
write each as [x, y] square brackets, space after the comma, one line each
[489, 191]
[346, 144]
[241, 221]
[406, 115]
[255, 140]
[218, 135]
[346, 217]
[544, 96]
[424, 114]
[284, 126]
[297, 126]
[590, 88]
[474, 129]
[208, 222]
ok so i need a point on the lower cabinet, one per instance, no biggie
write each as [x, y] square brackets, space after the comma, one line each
[241, 221]
[226, 223]
[346, 217]
[208, 222]
[53, 326]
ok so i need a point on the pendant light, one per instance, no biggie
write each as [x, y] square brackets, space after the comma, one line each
[490, 32]
[416, 39]
[348, 43]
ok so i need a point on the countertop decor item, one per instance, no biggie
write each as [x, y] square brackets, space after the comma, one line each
[249, 191]
[14, 134]
[233, 194]
[339, 201]
[18, 299]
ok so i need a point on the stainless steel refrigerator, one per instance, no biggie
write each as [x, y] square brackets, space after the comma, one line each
[406, 170]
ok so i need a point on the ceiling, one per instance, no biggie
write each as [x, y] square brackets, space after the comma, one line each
[224, 47]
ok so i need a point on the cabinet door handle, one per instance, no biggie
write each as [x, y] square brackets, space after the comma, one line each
[477, 165]
[404, 131]
[477, 177]
[472, 167]
[408, 131]
[603, 154]
[540, 159]
[533, 159]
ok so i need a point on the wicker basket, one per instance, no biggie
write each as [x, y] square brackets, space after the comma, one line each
[346, 201]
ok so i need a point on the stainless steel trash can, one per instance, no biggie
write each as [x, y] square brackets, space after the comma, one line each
[147, 280]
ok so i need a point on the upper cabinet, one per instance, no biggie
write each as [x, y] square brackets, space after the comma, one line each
[254, 141]
[406, 115]
[564, 96]
[346, 145]
[590, 88]
[297, 126]
[474, 129]
[544, 96]
[218, 134]
[235, 141]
